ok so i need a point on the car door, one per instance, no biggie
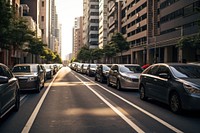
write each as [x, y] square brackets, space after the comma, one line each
[7, 90]
[162, 83]
[149, 79]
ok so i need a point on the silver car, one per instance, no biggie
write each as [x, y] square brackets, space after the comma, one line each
[122, 77]
[30, 76]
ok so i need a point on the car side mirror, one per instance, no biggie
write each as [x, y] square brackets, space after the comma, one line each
[164, 75]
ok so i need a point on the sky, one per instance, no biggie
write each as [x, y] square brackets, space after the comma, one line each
[67, 10]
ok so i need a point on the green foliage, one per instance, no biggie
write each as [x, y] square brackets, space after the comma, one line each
[109, 50]
[119, 41]
[96, 54]
[57, 59]
[6, 16]
[84, 54]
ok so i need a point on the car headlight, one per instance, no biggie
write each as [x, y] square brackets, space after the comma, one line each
[32, 78]
[192, 89]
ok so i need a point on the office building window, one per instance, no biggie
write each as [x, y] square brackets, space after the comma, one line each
[42, 18]
[42, 3]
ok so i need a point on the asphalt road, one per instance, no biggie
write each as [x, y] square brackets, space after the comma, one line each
[75, 103]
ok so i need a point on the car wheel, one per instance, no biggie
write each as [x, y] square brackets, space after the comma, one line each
[17, 101]
[175, 103]
[118, 85]
[142, 93]
[101, 79]
[38, 88]
[108, 82]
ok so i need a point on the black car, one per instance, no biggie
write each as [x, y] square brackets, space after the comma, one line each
[175, 84]
[102, 73]
[30, 76]
[9, 91]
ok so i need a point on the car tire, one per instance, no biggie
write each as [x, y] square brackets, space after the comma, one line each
[17, 102]
[118, 85]
[38, 88]
[108, 82]
[101, 79]
[175, 103]
[142, 93]
[95, 78]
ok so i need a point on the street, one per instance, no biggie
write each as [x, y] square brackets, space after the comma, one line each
[75, 103]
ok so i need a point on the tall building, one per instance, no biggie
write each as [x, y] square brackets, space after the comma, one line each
[103, 22]
[153, 29]
[44, 20]
[91, 23]
[34, 12]
[77, 35]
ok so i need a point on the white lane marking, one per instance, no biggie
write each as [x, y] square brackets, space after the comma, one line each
[133, 125]
[29, 124]
[140, 109]
[22, 97]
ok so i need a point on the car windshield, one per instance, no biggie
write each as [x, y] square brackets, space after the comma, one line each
[135, 69]
[106, 68]
[47, 66]
[124, 69]
[21, 69]
[31, 68]
[93, 65]
[187, 71]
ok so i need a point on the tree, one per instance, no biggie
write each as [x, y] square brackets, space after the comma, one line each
[109, 50]
[6, 16]
[96, 54]
[121, 44]
[84, 54]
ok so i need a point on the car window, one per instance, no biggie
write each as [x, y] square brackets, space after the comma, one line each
[153, 70]
[124, 69]
[5, 72]
[187, 71]
[135, 69]
[106, 68]
[163, 69]
[21, 69]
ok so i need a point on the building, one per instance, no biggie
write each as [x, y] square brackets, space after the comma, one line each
[91, 23]
[77, 35]
[103, 22]
[153, 29]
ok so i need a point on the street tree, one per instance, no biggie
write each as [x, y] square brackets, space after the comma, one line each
[84, 54]
[6, 16]
[121, 44]
[109, 51]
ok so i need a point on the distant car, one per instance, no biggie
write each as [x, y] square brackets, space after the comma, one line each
[102, 73]
[176, 84]
[91, 69]
[122, 77]
[9, 91]
[49, 70]
[30, 76]
[84, 68]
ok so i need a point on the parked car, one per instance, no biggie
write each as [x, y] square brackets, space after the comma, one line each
[102, 73]
[136, 68]
[84, 68]
[122, 77]
[9, 91]
[30, 76]
[45, 73]
[91, 69]
[49, 70]
[176, 84]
